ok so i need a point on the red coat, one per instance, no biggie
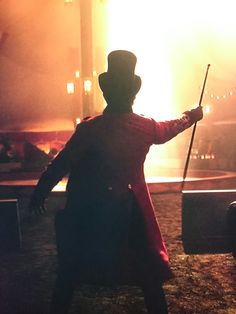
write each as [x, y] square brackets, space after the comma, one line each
[106, 155]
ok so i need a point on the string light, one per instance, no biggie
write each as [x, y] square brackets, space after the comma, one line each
[222, 96]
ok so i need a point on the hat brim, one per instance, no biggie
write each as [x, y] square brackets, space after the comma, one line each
[104, 80]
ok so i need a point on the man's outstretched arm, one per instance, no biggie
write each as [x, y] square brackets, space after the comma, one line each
[166, 130]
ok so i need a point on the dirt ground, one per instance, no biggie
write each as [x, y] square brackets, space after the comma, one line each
[202, 284]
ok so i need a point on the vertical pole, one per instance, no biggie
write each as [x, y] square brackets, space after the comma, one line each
[86, 54]
[193, 133]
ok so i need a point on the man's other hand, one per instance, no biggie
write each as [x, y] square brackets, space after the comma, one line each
[37, 208]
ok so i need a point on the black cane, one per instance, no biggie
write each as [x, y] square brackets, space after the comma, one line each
[193, 132]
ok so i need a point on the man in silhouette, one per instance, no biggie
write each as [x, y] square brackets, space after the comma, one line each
[108, 233]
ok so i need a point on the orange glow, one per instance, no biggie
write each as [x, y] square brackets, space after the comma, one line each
[61, 186]
[45, 147]
[174, 41]
[152, 65]
[68, 1]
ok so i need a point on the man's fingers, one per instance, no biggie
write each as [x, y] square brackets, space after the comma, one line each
[38, 210]
[43, 209]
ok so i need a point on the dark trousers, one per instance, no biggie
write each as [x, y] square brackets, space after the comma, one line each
[62, 294]
[67, 280]
[154, 295]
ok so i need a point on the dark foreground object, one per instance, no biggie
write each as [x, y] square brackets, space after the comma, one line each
[209, 221]
[10, 233]
[203, 283]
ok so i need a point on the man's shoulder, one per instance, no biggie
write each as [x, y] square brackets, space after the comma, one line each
[92, 118]
[142, 118]
[131, 117]
[140, 122]
[88, 120]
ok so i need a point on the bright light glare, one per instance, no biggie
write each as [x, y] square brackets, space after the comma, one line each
[70, 86]
[77, 120]
[77, 74]
[174, 41]
[207, 109]
[133, 29]
[87, 86]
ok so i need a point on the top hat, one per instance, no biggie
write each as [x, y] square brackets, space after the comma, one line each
[121, 68]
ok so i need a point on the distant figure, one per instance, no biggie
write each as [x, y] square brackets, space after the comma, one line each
[108, 234]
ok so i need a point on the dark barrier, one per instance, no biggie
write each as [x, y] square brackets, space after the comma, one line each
[10, 234]
[205, 221]
[231, 217]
